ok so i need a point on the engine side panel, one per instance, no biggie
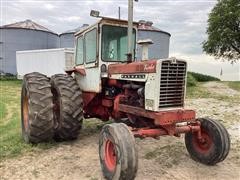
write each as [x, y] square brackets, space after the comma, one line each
[152, 91]
[91, 82]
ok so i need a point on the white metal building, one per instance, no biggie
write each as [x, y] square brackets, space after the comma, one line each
[47, 61]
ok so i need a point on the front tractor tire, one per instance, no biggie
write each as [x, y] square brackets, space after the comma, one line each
[214, 145]
[117, 152]
[36, 108]
[68, 107]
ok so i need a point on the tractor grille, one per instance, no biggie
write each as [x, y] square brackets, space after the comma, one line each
[172, 84]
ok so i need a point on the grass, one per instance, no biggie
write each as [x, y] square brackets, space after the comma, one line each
[10, 139]
[202, 77]
[10, 124]
[93, 125]
[2, 110]
[199, 91]
[8, 77]
[234, 85]
[191, 81]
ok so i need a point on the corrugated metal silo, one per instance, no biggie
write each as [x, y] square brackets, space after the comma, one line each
[160, 47]
[67, 39]
[25, 35]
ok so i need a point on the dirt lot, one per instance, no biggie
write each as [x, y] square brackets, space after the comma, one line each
[165, 158]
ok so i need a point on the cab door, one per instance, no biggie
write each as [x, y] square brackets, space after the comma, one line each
[87, 59]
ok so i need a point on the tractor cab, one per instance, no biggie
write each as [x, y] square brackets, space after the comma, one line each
[98, 46]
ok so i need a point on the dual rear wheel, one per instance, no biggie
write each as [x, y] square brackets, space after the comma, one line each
[50, 108]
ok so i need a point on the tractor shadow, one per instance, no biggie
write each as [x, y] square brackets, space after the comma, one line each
[91, 128]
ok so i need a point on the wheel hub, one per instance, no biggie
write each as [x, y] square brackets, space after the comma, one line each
[110, 155]
[204, 144]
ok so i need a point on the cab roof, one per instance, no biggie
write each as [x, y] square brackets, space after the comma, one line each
[107, 20]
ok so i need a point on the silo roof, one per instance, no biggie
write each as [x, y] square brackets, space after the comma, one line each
[27, 24]
[148, 26]
[72, 31]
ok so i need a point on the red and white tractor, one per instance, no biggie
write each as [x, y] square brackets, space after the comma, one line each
[143, 98]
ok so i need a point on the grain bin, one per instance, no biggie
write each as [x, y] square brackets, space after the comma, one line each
[24, 35]
[160, 47]
[67, 39]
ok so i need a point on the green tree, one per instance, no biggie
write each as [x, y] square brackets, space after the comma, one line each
[224, 31]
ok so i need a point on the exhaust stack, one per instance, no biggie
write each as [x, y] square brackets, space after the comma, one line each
[130, 26]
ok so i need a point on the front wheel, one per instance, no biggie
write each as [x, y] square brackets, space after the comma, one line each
[214, 145]
[117, 152]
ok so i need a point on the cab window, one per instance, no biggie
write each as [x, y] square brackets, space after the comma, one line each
[91, 46]
[79, 52]
[114, 43]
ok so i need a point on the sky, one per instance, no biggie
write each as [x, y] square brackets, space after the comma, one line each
[186, 20]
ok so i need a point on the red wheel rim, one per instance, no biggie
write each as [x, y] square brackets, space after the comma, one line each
[110, 155]
[25, 112]
[203, 145]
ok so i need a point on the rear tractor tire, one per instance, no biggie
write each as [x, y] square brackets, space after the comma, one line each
[117, 152]
[36, 108]
[215, 145]
[68, 107]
